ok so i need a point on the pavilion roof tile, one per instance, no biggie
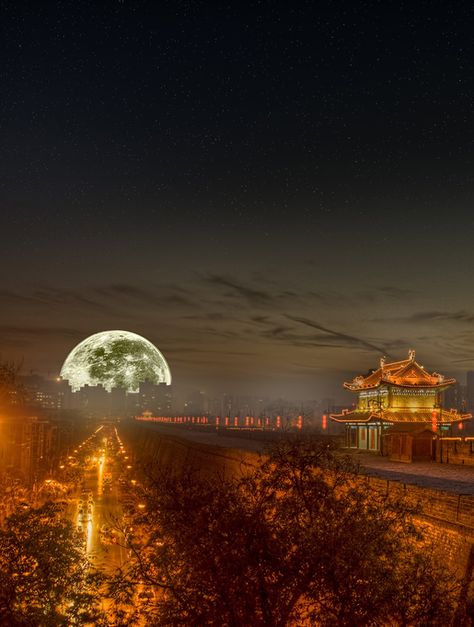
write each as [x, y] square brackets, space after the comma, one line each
[403, 373]
[401, 416]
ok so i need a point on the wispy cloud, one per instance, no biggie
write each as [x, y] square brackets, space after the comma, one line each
[431, 316]
[345, 338]
[48, 296]
[38, 331]
[383, 294]
[251, 294]
[102, 297]
[395, 292]
[450, 316]
[160, 295]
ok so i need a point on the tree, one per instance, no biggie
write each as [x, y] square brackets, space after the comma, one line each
[45, 576]
[302, 540]
[13, 494]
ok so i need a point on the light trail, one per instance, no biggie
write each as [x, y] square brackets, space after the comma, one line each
[100, 476]
[89, 536]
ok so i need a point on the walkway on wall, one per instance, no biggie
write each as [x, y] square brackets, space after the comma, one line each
[448, 477]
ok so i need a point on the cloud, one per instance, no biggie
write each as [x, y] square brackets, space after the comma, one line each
[102, 298]
[8, 296]
[280, 331]
[254, 296]
[383, 293]
[69, 297]
[431, 316]
[275, 294]
[466, 360]
[212, 315]
[396, 344]
[125, 290]
[450, 316]
[395, 292]
[346, 339]
[211, 351]
[295, 336]
[49, 296]
[260, 319]
[38, 331]
[163, 295]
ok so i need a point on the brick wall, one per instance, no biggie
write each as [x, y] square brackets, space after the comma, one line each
[447, 519]
[455, 451]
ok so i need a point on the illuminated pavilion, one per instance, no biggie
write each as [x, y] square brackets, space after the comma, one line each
[398, 396]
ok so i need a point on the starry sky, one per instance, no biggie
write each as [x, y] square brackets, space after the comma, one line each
[275, 194]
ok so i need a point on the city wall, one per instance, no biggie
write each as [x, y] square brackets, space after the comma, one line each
[448, 518]
[455, 451]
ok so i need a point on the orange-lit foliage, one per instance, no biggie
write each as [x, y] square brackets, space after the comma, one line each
[297, 541]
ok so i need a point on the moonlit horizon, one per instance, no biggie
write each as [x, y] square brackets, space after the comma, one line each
[115, 359]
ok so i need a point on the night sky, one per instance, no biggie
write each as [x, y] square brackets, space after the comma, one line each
[274, 194]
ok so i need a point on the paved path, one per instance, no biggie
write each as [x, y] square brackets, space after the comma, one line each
[449, 477]
[208, 437]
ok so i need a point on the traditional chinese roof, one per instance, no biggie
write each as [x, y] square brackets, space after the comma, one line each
[401, 416]
[404, 373]
[355, 416]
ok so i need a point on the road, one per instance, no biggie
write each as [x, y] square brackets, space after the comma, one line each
[96, 507]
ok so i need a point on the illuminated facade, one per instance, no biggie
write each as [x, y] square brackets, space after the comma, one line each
[400, 395]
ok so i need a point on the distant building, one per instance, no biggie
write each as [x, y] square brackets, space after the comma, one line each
[93, 400]
[470, 390]
[196, 403]
[397, 396]
[37, 391]
[455, 396]
[153, 397]
[28, 447]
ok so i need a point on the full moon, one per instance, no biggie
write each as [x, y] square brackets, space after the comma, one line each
[115, 359]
